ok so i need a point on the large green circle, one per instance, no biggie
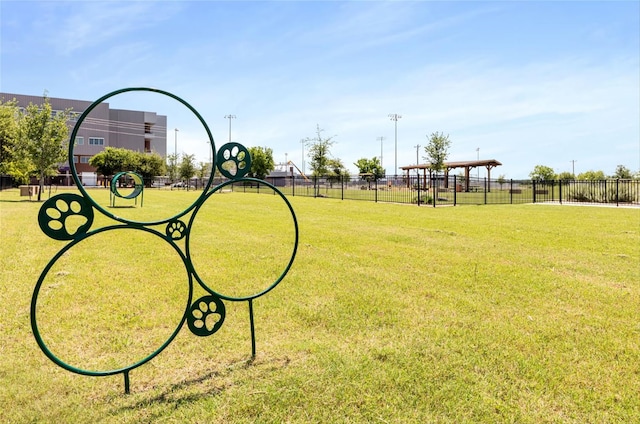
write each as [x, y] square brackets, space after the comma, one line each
[96, 373]
[74, 172]
[286, 268]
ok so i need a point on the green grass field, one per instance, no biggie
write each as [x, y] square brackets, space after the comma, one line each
[390, 313]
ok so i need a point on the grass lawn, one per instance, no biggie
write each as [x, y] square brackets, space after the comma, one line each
[390, 313]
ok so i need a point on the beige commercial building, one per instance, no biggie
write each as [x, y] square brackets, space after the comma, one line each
[141, 131]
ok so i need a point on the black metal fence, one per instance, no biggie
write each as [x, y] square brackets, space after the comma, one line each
[455, 190]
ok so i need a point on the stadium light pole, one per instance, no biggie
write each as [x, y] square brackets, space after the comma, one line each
[175, 143]
[394, 117]
[230, 117]
[302, 141]
[381, 139]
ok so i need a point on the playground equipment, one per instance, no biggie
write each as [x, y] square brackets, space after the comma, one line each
[138, 188]
[232, 160]
[299, 171]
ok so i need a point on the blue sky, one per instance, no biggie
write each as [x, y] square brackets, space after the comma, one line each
[527, 83]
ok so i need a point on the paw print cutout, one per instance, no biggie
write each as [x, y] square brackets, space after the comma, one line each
[234, 160]
[65, 216]
[206, 316]
[176, 230]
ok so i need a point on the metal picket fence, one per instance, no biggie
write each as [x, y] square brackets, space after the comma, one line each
[455, 190]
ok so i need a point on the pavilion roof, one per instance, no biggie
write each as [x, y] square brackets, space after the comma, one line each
[456, 164]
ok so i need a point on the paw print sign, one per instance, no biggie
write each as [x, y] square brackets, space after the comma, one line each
[73, 218]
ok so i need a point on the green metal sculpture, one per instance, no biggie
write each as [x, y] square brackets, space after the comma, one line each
[138, 187]
[203, 316]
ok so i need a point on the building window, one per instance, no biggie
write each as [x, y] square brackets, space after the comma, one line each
[96, 141]
[79, 141]
[75, 159]
[84, 159]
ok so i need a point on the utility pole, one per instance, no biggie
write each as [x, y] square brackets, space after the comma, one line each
[394, 117]
[380, 139]
[175, 147]
[230, 117]
[302, 141]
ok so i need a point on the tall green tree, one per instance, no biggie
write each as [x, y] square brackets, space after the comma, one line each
[319, 149]
[203, 171]
[45, 136]
[623, 173]
[112, 160]
[172, 166]
[370, 169]
[187, 168]
[8, 131]
[437, 150]
[336, 171]
[262, 162]
[14, 158]
[542, 173]
[148, 165]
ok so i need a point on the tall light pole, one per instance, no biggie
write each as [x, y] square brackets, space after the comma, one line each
[303, 141]
[395, 117]
[573, 168]
[175, 147]
[230, 117]
[175, 153]
[380, 139]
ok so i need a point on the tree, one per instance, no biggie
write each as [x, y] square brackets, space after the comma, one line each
[202, 171]
[370, 169]
[112, 160]
[437, 150]
[261, 162]
[319, 152]
[172, 166]
[187, 168]
[591, 175]
[8, 131]
[501, 180]
[336, 171]
[623, 173]
[14, 158]
[565, 176]
[148, 166]
[542, 173]
[45, 138]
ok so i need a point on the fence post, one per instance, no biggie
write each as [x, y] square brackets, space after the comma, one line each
[435, 190]
[376, 188]
[560, 191]
[418, 184]
[455, 189]
[485, 190]
[617, 192]
[534, 190]
[511, 191]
